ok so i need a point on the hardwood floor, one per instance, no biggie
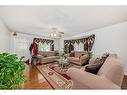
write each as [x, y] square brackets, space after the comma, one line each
[35, 79]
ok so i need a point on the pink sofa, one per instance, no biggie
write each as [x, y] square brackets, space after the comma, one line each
[109, 76]
[78, 59]
[47, 56]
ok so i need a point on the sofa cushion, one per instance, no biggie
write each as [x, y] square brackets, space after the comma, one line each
[97, 60]
[93, 68]
[79, 53]
[81, 56]
[52, 57]
[49, 59]
[73, 59]
[72, 54]
[84, 59]
[76, 59]
[49, 53]
[44, 55]
[100, 60]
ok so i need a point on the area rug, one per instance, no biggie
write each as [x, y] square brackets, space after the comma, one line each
[58, 79]
[57, 69]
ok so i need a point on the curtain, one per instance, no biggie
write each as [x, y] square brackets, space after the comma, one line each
[71, 47]
[35, 48]
[44, 44]
[90, 42]
[66, 47]
[87, 42]
[52, 47]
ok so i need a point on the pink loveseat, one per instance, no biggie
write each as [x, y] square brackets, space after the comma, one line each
[47, 56]
[79, 58]
[109, 76]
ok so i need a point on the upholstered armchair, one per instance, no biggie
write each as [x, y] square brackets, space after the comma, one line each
[109, 76]
[78, 57]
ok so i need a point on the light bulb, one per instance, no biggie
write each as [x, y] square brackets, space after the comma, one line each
[55, 35]
[51, 34]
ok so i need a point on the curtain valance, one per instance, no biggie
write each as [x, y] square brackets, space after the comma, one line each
[44, 40]
[87, 41]
[47, 41]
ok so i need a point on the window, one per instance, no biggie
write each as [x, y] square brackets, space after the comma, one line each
[44, 46]
[78, 47]
[81, 46]
[47, 47]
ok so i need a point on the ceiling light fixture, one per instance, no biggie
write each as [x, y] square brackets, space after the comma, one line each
[55, 33]
[14, 34]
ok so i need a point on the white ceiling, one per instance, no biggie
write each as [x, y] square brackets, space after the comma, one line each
[70, 20]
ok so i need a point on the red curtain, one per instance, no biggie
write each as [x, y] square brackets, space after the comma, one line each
[35, 48]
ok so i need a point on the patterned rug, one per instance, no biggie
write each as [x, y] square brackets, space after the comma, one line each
[60, 71]
[55, 75]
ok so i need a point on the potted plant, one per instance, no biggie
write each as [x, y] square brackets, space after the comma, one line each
[11, 71]
[61, 55]
[90, 55]
[65, 50]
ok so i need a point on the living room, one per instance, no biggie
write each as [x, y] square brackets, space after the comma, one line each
[58, 43]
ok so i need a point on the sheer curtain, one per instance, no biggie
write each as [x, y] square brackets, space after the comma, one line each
[44, 46]
[78, 47]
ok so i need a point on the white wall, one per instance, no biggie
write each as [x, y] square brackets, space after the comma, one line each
[56, 44]
[20, 44]
[4, 38]
[111, 39]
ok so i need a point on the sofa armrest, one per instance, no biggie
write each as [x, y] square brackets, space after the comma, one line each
[39, 56]
[84, 59]
[90, 80]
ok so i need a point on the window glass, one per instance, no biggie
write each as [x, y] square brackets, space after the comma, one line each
[76, 47]
[79, 47]
[44, 46]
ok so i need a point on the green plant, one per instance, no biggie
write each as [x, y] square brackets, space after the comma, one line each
[11, 71]
[65, 50]
[90, 54]
[61, 55]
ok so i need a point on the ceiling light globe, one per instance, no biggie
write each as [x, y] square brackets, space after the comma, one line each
[51, 34]
[55, 35]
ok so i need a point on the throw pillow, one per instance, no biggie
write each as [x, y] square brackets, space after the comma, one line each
[93, 68]
[100, 60]
[72, 54]
[45, 55]
[97, 60]
[104, 57]
[81, 55]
